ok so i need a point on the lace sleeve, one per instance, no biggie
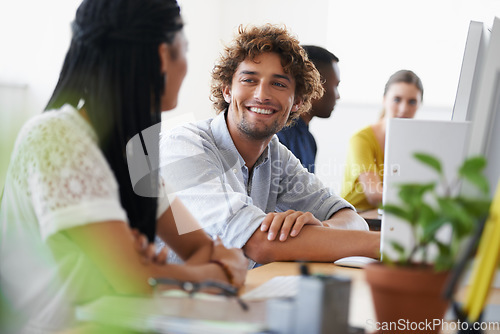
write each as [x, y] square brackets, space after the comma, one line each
[62, 170]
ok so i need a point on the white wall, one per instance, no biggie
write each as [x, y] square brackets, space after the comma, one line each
[34, 36]
[372, 39]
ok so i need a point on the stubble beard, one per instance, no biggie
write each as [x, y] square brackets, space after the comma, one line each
[253, 132]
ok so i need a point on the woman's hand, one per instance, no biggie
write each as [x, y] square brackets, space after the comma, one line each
[147, 251]
[233, 259]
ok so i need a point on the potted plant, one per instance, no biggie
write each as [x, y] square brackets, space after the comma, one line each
[407, 290]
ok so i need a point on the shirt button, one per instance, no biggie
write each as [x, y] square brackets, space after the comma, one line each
[235, 170]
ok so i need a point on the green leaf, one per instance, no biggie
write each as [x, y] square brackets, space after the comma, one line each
[398, 247]
[397, 211]
[400, 250]
[427, 220]
[461, 221]
[443, 248]
[445, 260]
[430, 161]
[429, 231]
[472, 165]
[477, 208]
[426, 215]
[472, 169]
[413, 193]
[480, 181]
[387, 260]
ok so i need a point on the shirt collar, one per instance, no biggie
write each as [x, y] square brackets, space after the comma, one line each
[224, 141]
[222, 137]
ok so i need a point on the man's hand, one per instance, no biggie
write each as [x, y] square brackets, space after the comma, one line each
[147, 251]
[285, 223]
[233, 259]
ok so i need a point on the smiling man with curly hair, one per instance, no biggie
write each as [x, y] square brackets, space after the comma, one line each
[235, 176]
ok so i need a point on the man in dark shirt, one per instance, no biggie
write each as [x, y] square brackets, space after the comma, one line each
[297, 137]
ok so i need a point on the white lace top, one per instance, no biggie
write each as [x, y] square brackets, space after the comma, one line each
[57, 179]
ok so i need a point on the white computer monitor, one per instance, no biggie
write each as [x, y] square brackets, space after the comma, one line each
[476, 129]
[484, 137]
[484, 134]
[444, 139]
[475, 50]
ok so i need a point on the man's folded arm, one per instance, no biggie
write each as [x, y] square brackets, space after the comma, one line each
[346, 219]
[303, 191]
[314, 243]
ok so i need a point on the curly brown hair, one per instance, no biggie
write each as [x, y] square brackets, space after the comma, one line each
[250, 42]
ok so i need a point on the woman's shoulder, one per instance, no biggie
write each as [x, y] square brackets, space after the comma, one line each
[366, 133]
[51, 137]
[60, 127]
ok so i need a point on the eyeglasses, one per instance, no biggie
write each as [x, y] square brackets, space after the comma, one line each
[193, 287]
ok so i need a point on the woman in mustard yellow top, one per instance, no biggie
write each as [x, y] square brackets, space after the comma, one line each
[364, 173]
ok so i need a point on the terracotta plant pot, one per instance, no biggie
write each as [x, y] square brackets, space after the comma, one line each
[407, 299]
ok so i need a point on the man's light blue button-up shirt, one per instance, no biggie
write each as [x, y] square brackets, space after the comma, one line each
[200, 162]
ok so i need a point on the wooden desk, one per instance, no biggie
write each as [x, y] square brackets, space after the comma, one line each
[152, 314]
[360, 307]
